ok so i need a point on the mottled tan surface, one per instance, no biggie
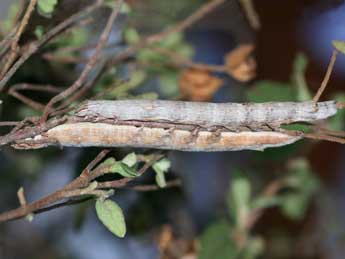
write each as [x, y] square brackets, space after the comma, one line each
[100, 134]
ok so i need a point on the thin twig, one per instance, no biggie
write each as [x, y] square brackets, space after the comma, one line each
[9, 123]
[326, 78]
[26, 100]
[154, 187]
[81, 186]
[89, 66]
[38, 88]
[14, 44]
[94, 162]
[324, 137]
[271, 190]
[340, 105]
[122, 182]
[34, 46]
[251, 14]
[179, 27]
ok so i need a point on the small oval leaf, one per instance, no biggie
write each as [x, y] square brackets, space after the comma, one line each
[162, 165]
[124, 170]
[111, 215]
[160, 179]
[130, 159]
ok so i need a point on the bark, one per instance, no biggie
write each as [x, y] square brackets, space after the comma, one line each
[209, 114]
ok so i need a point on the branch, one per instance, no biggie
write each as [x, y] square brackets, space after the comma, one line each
[34, 46]
[16, 38]
[187, 126]
[89, 66]
[83, 185]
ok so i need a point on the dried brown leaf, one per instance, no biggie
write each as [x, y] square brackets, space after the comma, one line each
[240, 63]
[198, 85]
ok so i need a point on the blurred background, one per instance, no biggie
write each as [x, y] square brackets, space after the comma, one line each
[281, 203]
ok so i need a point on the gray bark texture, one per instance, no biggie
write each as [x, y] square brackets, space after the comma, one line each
[208, 114]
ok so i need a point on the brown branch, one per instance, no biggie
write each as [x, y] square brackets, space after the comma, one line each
[320, 136]
[18, 133]
[89, 66]
[13, 91]
[251, 14]
[9, 123]
[14, 45]
[271, 190]
[38, 88]
[154, 187]
[326, 78]
[81, 186]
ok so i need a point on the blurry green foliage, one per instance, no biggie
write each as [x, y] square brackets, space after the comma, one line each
[271, 91]
[231, 238]
[46, 7]
[73, 39]
[131, 36]
[298, 78]
[239, 198]
[217, 242]
[39, 31]
[125, 8]
[337, 122]
[160, 64]
[303, 184]
[11, 15]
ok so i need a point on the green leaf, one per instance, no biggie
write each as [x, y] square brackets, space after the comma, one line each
[216, 242]
[150, 56]
[124, 170]
[169, 83]
[298, 78]
[239, 199]
[130, 159]
[161, 167]
[11, 15]
[339, 45]
[171, 40]
[268, 91]
[46, 7]
[108, 162]
[338, 121]
[255, 246]
[297, 126]
[125, 8]
[39, 31]
[294, 205]
[263, 202]
[111, 215]
[131, 36]
[160, 179]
